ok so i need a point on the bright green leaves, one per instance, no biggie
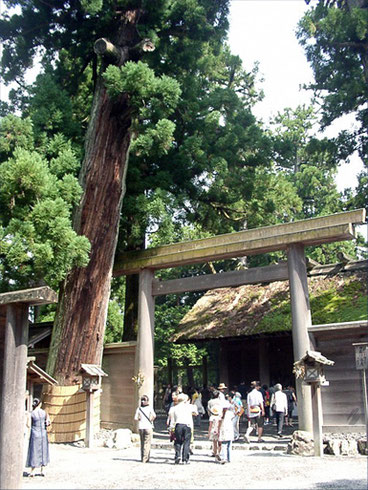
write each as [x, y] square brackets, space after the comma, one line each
[37, 193]
[152, 98]
[144, 88]
[159, 136]
[24, 179]
[309, 162]
[15, 132]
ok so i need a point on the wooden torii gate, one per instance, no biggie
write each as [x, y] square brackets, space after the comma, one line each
[291, 237]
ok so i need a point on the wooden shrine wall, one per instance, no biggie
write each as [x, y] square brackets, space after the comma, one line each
[117, 399]
[342, 400]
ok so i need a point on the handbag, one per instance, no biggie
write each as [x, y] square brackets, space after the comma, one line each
[172, 435]
[254, 409]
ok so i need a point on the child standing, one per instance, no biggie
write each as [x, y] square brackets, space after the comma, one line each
[213, 430]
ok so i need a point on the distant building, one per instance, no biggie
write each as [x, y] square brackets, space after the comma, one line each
[252, 326]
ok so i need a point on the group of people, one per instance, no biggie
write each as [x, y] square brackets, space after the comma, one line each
[224, 410]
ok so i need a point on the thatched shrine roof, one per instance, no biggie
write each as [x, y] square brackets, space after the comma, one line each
[263, 309]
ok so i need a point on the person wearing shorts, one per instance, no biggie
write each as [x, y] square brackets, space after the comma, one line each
[255, 411]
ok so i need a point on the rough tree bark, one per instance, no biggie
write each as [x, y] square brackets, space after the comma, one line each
[81, 316]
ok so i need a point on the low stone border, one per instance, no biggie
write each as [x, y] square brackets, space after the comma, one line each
[345, 444]
[235, 447]
[302, 444]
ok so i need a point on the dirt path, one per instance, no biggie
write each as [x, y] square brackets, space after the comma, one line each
[77, 468]
[254, 466]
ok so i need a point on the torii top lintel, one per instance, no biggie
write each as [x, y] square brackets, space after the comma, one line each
[314, 231]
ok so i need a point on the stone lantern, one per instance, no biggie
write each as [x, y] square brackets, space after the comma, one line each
[91, 384]
[311, 369]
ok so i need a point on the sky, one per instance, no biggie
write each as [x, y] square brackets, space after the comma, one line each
[264, 31]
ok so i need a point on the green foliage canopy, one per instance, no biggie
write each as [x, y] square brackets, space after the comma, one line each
[334, 35]
[38, 190]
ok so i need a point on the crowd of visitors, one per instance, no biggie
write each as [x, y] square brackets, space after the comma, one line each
[224, 408]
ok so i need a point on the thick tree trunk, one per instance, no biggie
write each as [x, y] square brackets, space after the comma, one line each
[79, 327]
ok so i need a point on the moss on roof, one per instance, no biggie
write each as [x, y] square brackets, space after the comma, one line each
[255, 309]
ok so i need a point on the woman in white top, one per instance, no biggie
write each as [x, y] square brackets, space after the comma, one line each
[279, 405]
[145, 416]
[226, 434]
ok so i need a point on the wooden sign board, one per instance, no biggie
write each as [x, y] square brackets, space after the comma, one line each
[361, 355]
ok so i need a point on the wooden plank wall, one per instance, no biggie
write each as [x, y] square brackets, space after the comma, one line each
[118, 389]
[342, 400]
[2, 345]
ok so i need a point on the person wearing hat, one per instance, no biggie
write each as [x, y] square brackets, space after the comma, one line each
[214, 429]
[181, 419]
[222, 388]
[145, 416]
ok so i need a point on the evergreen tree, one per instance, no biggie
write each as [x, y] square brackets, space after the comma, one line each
[38, 190]
[334, 34]
[129, 97]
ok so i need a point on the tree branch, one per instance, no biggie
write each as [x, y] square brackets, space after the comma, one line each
[103, 47]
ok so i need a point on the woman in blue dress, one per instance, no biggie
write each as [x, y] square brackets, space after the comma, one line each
[38, 449]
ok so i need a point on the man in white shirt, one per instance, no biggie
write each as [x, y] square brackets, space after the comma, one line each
[256, 411]
[181, 418]
[279, 405]
[145, 416]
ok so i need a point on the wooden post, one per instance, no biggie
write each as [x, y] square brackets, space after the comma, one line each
[145, 341]
[13, 396]
[89, 418]
[301, 321]
[13, 362]
[317, 419]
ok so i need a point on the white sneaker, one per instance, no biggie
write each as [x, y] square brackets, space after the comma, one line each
[246, 439]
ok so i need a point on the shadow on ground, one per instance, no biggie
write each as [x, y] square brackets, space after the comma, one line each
[161, 436]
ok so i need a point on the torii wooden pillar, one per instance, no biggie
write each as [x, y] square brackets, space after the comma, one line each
[301, 322]
[145, 343]
[13, 364]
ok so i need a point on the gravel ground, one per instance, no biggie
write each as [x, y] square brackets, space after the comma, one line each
[254, 466]
[77, 468]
